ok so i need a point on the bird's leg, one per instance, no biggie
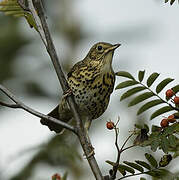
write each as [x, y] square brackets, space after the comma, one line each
[87, 126]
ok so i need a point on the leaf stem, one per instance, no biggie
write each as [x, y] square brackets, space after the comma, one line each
[131, 175]
[174, 108]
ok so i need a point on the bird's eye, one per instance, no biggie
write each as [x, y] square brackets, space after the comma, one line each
[99, 48]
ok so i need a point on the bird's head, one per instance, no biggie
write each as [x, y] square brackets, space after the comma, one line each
[102, 53]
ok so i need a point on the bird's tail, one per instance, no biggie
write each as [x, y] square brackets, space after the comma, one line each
[51, 125]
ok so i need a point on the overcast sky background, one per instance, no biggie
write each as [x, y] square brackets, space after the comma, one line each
[153, 47]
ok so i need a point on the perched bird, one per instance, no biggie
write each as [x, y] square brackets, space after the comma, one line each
[91, 82]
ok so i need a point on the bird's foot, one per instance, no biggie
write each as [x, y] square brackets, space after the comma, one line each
[92, 153]
[67, 93]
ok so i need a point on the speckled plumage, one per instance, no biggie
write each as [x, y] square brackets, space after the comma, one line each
[92, 82]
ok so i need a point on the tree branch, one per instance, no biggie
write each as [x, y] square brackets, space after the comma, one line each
[38, 13]
[20, 105]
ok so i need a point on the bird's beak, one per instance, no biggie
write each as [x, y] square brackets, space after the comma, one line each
[113, 47]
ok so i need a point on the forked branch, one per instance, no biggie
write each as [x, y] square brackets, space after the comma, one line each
[20, 105]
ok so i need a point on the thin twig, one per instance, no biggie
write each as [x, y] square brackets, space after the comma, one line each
[15, 106]
[115, 167]
[119, 151]
[19, 104]
[86, 145]
[128, 147]
[126, 141]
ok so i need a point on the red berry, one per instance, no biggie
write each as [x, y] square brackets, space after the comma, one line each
[164, 123]
[56, 177]
[171, 119]
[110, 125]
[169, 93]
[176, 100]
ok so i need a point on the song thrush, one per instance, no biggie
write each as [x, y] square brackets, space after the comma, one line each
[91, 82]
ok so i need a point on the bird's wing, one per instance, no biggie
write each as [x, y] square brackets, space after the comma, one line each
[76, 68]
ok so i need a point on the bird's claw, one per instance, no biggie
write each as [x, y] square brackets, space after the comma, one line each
[67, 93]
[92, 153]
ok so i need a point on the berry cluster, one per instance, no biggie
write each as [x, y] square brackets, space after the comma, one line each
[165, 122]
[169, 94]
[170, 119]
[56, 177]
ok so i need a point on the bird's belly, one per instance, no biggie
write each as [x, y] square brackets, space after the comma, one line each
[93, 101]
[92, 93]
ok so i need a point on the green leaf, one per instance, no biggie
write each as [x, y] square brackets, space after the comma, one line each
[65, 176]
[142, 178]
[31, 21]
[8, 3]
[135, 166]
[141, 75]
[149, 105]
[176, 115]
[151, 160]
[122, 171]
[141, 98]
[155, 128]
[126, 84]
[155, 144]
[11, 7]
[126, 168]
[124, 74]
[174, 128]
[172, 140]
[162, 84]
[154, 173]
[171, 2]
[164, 144]
[110, 162]
[176, 88]
[161, 111]
[132, 91]
[165, 160]
[152, 78]
[144, 164]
